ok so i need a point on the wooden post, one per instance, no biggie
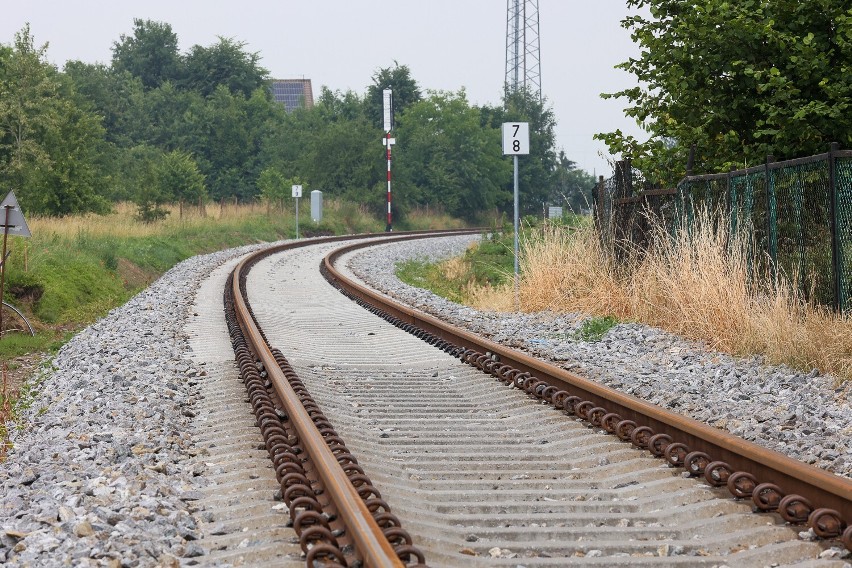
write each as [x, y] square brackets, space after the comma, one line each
[598, 202]
[3, 266]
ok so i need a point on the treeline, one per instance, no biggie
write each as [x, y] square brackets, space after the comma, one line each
[733, 82]
[157, 126]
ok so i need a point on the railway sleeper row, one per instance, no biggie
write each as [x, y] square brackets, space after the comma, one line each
[313, 516]
[827, 523]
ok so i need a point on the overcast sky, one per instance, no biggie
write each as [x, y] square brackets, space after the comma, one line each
[448, 44]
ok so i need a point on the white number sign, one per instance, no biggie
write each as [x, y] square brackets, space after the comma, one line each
[297, 191]
[516, 138]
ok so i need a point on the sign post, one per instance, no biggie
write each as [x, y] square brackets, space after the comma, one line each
[297, 193]
[516, 141]
[14, 224]
[387, 99]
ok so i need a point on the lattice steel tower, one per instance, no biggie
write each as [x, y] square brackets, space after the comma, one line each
[523, 49]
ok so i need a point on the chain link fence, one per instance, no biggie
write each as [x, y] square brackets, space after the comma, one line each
[798, 211]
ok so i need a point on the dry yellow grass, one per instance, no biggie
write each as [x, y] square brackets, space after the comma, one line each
[455, 268]
[122, 221]
[699, 287]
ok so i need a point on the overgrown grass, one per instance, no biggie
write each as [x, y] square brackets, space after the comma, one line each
[701, 285]
[17, 344]
[462, 279]
[698, 285]
[13, 401]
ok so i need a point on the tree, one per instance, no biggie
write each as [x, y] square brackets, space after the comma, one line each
[332, 147]
[151, 53]
[49, 146]
[141, 172]
[343, 158]
[572, 186]
[446, 156]
[223, 63]
[26, 91]
[224, 132]
[175, 119]
[739, 80]
[117, 96]
[405, 92]
[178, 178]
[273, 187]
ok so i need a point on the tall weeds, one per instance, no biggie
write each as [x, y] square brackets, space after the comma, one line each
[700, 285]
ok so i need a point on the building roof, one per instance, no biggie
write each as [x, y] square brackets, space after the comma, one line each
[293, 93]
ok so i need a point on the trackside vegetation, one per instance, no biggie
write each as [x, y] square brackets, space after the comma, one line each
[735, 80]
[157, 126]
[700, 285]
[75, 269]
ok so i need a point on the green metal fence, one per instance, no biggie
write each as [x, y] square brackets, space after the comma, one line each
[800, 213]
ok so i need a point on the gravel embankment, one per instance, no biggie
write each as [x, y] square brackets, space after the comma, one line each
[100, 474]
[803, 415]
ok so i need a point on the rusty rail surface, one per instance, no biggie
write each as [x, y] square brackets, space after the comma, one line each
[292, 424]
[798, 492]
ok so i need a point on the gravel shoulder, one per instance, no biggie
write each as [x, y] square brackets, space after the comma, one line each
[102, 470]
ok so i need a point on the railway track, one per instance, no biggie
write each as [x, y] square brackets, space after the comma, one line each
[391, 450]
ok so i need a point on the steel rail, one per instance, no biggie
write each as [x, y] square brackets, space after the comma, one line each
[370, 542]
[793, 477]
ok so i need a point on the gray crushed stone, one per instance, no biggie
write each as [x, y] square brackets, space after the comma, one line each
[803, 415]
[100, 473]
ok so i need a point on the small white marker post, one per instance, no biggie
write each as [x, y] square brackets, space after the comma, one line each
[516, 141]
[297, 193]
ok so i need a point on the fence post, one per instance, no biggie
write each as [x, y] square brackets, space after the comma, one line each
[729, 203]
[680, 199]
[690, 162]
[628, 177]
[771, 218]
[599, 201]
[832, 217]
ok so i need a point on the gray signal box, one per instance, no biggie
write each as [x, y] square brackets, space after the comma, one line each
[316, 205]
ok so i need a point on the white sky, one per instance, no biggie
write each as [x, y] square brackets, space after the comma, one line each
[448, 44]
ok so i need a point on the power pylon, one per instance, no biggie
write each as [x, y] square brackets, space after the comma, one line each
[523, 49]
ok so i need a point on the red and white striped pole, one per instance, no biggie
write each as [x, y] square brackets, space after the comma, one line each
[389, 228]
[387, 103]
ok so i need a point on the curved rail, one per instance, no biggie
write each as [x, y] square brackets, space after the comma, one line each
[369, 540]
[798, 491]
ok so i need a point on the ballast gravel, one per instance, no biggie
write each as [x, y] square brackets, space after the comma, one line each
[101, 472]
[807, 416]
